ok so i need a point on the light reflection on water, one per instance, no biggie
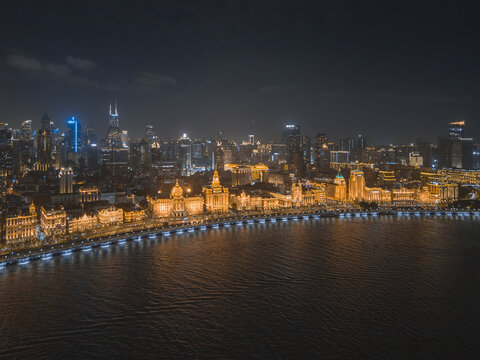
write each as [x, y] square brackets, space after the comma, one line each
[381, 287]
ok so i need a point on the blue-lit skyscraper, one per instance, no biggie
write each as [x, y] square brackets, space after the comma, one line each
[74, 134]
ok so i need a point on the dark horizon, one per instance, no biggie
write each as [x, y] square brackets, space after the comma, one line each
[391, 71]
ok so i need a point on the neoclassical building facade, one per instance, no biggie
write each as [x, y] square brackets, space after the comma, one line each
[177, 205]
[216, 196]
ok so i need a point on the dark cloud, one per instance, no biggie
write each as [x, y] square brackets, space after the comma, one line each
[148, 80]
[85, 65]
[24, 63]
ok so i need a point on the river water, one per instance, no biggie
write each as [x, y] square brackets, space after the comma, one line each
[381, 288]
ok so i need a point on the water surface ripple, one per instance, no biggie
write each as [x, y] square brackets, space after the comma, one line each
[384, 288]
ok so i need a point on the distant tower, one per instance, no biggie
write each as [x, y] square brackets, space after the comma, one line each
[456, 129]
[185, 155]
[113, 116]
[44, 146]
[27, 130]
[114, 136]
[66, 181]
[74, 134]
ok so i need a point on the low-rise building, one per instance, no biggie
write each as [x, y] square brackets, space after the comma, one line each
[110, 216]
[53, 221]
[21, 227]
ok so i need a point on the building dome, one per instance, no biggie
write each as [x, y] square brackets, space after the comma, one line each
[155, 145]
[177, 191]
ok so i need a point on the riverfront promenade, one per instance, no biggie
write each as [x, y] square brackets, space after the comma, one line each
[153, 229]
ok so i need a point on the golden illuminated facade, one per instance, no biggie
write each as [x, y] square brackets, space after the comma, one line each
[89, 194]
[386, 178]
[21, 228]
[133, 215]
[53, 222]
[249, 203]
[246, 174]
[444, 191]
[356, 186]
[82, 223]
[403, 196]
[297, 194]
[110, 216]
[177, 205]
[358, 191]
[216, 196]
[338, 190]
[377, 195]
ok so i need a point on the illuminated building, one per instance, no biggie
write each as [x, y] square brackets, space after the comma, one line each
[403, 197]
[414, 159]
[246, 202]
[53, 222]
[456, 129]
[351, 166]
[82, 223]
[216, 196]
[124, 137]
[27, 132]
[340, 156]
[377, 195]
[465, 177]
[177, 205]
[356, 186]
[114, 155]
[66, 180]
[291, 138]
[386, 179]
[247, 174]
[74, 135]
[110, 216]
[319, 193]
[114, 135]
[455, 151]
[44, 146]
[358, 191]
[88, 194]
[133, 215]
[185, 155]
[338, 190]
[21, 228]
[297, 194]
[444, 191]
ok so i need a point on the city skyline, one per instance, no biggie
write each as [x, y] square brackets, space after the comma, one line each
[204, 67]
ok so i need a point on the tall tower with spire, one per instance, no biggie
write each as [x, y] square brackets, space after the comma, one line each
[113, 116]
[114, 135]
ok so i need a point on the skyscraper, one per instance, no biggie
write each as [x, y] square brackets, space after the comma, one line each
[74, 134]
[292, 139]
[114, 135]
[27, 130]
[456, 129]
[185, 155]
[44, 146]
[66, 181]
[322, 153]
[454, 150]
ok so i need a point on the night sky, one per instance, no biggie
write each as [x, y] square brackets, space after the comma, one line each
[394, 71]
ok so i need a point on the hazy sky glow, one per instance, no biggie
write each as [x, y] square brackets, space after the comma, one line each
[391, 71]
